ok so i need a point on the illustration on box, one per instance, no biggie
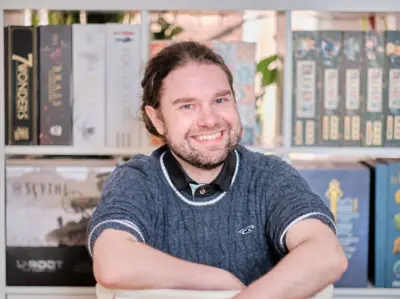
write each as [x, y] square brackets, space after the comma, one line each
[48, 205]
[345, 191]
[58, 200]
[345, 211]
[74, 202]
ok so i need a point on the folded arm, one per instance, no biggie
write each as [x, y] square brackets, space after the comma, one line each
[302, 231]
[118, 234]
[121, 262]
[315, 260]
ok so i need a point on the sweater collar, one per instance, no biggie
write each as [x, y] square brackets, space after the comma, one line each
[181, 179]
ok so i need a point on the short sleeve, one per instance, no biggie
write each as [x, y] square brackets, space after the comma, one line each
[124, 205]
[290, 200]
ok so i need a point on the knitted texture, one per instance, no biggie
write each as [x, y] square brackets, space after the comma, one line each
[241, 231]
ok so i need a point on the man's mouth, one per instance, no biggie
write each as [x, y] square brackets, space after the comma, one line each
[209, 137]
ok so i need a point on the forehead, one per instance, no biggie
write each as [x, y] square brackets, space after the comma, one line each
[194, 80]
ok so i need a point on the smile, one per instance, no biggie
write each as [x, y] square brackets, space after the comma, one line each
[208, 137]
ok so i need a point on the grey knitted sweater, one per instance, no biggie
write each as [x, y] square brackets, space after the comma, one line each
[242, 230]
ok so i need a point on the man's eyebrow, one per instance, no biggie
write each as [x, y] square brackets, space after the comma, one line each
[221, 93]
[183, 100]
[192, 99]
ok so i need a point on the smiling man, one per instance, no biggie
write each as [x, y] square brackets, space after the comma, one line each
[202, 212]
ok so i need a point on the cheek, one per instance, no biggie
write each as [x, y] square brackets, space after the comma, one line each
[179, 126]
[231, 116]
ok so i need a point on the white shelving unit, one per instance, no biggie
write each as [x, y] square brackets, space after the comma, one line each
[52, 292]
[73, 151]
[287, 151]
[2, 167]
[283, 5]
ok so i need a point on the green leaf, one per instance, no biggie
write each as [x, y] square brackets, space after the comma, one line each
[159, 36]
[55, 18]
[35, 18]
[72, 17]
[176, 31]
[263, 64]
[269, 77]
[163, 22]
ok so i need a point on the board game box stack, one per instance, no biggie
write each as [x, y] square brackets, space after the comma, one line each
[345, 189]
[48, 205]
[79, 85]
[364, 198]
[385, 225]
[346, 88]
[73, 85]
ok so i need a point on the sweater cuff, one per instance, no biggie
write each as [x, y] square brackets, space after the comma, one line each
[118, 224]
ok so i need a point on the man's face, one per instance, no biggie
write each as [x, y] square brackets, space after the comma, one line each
[198, 115]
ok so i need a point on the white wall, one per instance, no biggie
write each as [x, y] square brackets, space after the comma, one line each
[263, 32]
[202, 26]
[341, 21]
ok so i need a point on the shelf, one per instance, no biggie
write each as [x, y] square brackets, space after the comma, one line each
[348, 153]
[302, 153]
[265, 150]
[337, 5]
[342, 293]
[50, 291]
[72, 151]
[339, 293]
[367, 293]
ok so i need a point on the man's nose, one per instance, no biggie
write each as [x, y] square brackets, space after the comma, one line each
[208, 117]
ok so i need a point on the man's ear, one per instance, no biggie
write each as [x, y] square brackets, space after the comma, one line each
[156, 119]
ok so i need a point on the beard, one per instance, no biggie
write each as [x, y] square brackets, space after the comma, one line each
[205, 159]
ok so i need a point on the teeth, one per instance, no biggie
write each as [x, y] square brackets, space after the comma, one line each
[209, 137]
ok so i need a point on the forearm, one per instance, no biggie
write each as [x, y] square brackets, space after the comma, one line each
[133, 265]
[305, 271]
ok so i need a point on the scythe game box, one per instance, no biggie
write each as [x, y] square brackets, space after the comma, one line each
[48, 205]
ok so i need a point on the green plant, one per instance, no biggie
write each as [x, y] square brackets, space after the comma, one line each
[103, 18]
[35, 18]
[57, 17]
[73, 17]
[63, 17]
[166, 30]
[268, 69]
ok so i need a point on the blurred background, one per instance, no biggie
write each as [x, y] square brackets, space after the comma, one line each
[335, 117]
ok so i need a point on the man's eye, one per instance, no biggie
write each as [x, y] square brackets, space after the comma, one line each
[187, 106]
[221, 100]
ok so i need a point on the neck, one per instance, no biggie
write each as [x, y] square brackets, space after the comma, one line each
[199, 175]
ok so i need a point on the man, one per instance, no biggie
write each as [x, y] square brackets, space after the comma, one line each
[202, 212]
